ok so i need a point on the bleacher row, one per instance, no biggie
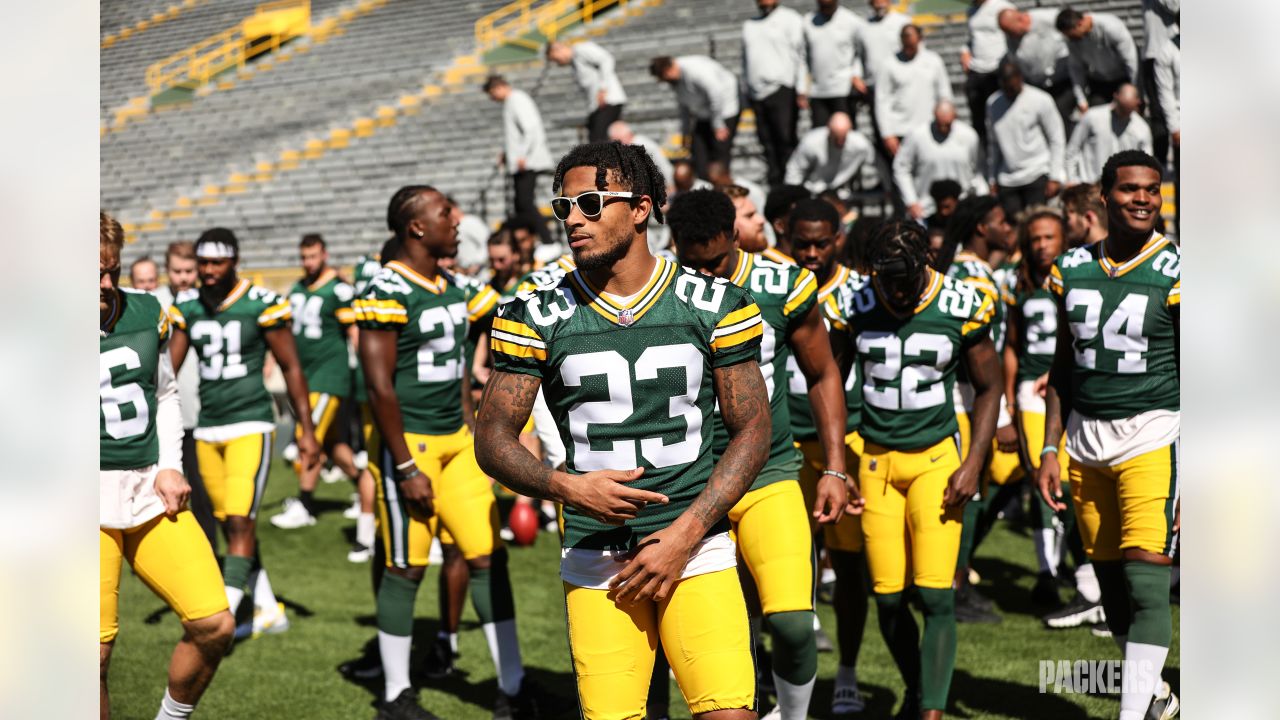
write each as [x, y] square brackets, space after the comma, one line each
[451, 140]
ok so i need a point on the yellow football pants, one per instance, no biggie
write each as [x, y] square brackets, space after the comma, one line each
[1128, 505]
[909, 534]
[173, 558]
[704, 632]
[324, 409]
[845, 535]
[464, 502]
[772, 531]
[1002, 467]
[235, 473]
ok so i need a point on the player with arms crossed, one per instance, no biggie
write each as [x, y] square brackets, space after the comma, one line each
[232, 323]
[142, 494]
[322, 318]
[635, 352]
[771, 522]
[909, 329]
[414, 322]
[1114, 388]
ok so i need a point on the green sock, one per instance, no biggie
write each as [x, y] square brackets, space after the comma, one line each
[795, 651]
[973, 511]
[1115, 595]
[850, 603]
[396, 596]
[938, 650]
[901, 635]
[491, 590]
[235, 570]
[1152, 622]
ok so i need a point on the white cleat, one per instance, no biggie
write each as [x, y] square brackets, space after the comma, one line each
[332, 475]
[352, 512]
[774, 714]
[293, 516]
[270, 624]
[1165, 704]
[846, 700]
[359, 553]
[436, 556]
[506, 534]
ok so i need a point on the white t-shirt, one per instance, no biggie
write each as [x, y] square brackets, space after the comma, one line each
[594, 569]
[1104, 443]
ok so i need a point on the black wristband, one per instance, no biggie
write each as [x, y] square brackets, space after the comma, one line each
[411, 474]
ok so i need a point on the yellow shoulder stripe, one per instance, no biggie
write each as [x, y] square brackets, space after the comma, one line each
[515, 328]
[175, 316]
[380, 311]
[482, 303]
[345, 315]
[725, 342]
[808, 285]
[279, 311]
[738, 316]
[520, 351]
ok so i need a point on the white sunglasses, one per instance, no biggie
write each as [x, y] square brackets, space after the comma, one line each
[590, 203]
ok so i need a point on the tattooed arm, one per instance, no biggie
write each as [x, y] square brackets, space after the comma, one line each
[658, 561]
[504, 409]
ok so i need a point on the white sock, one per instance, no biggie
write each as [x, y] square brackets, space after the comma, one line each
[453, 642]
[1087, 583]
[395, 662]
[1046, 553]
[171, 709]
[504, 648]
[263, 598]
[1144, 662]
[828, 576]
[817, 625]
[365, 529]
[793, 700]
[234, 596]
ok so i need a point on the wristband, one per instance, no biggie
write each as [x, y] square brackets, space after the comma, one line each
[404, 466]
[1048, 449]
[837, 473]
[401, 477]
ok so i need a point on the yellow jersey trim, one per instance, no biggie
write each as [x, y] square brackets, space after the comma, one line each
[737, 327]
[838, 277]
[435, 286]
[325, 277]
[663, 274]
[931, 292]
[1156, 242]
[381, 311]
[482, 303]
[777, 255]
[805, 289]
[742, 269]
[236, 293]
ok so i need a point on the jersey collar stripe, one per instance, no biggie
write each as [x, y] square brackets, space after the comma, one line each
[742, 269]
[658, 282]
[658, 268]
[117, 309]
[325, 278]
[236, 293]
[837, 278]
[436, 286]
[1156, 242]
[935, 284]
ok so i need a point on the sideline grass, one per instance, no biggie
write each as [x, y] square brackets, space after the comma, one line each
[330, 605]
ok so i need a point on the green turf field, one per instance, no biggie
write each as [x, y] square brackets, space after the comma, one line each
[294, 675]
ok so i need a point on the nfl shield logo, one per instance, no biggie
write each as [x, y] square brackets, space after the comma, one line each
[627, 317]
[873, 464]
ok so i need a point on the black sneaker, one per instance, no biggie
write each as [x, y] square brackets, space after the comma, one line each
[1045, 592]
[910, 707]
[439, 661]
[521, 706]
[823, 641]
[366, 667]
[1164, 706]
[405, 707]
[1079, 612]
[970, 610]
[968, 594]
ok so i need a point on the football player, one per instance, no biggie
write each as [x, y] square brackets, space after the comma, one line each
[1114, 390]
[909, 329]
[142, 495]
[231, 324]
[633, 353]
[771, 522]
[414, 322]
[322, 318]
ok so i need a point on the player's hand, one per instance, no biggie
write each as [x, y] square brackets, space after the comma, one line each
[859, 85]
[308, 449]
[856, 503]
[965, 59]
[1082, 107]
[916, 211]
[1007, 438]
[962, 486]
[722, 134]
[600, 99]
[1051, 188]
[653, 568]
[521, 164]
[1050, 481]
[995, 189]
[1176, 135]
[604, 495]
[891, 143]
[173, 489]
[802, 101]
[829, 505]
[1042, 385]
[418, 496]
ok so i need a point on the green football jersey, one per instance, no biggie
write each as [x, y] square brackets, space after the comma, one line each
[785, 294]
[321, 314]
[802, 425]
[1122, 327]
[363, 271]
[128, 360]
[973, 269]
[546, 275]
[431, 318]
[631, 386]
[1038, 312]
[909, 364]
[230, 346]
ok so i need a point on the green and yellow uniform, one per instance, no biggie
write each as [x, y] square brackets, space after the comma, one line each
[172, 556]
[1124, 424]
[321, 314]
[365, 269]
[237, 418]
[431, 317]
[630, 383]
[847, 534]
[1037, 311]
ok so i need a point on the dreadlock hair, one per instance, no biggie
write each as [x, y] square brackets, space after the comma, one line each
[1028, 279]
[855, 244]
[896, 238]
[632, 168]
[969, 214]
[1127, 158]
[699, 216]
[390, 250]
[403, 206]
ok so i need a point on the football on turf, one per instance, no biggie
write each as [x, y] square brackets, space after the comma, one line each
[523, 523]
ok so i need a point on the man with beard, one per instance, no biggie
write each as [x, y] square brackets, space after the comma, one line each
[414, 322]
[322, 318]
[231, 324]
[748, 223]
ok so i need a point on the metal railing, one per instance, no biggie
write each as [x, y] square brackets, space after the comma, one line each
[508, 25]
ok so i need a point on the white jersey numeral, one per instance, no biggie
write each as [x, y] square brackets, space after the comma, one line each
[220, 356]
[307, 320]
[449, 318]
[114, 398]
[920, 378]
[1041, 320]
[1122, 332]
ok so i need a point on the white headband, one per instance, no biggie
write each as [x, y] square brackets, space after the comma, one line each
[214, 249]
